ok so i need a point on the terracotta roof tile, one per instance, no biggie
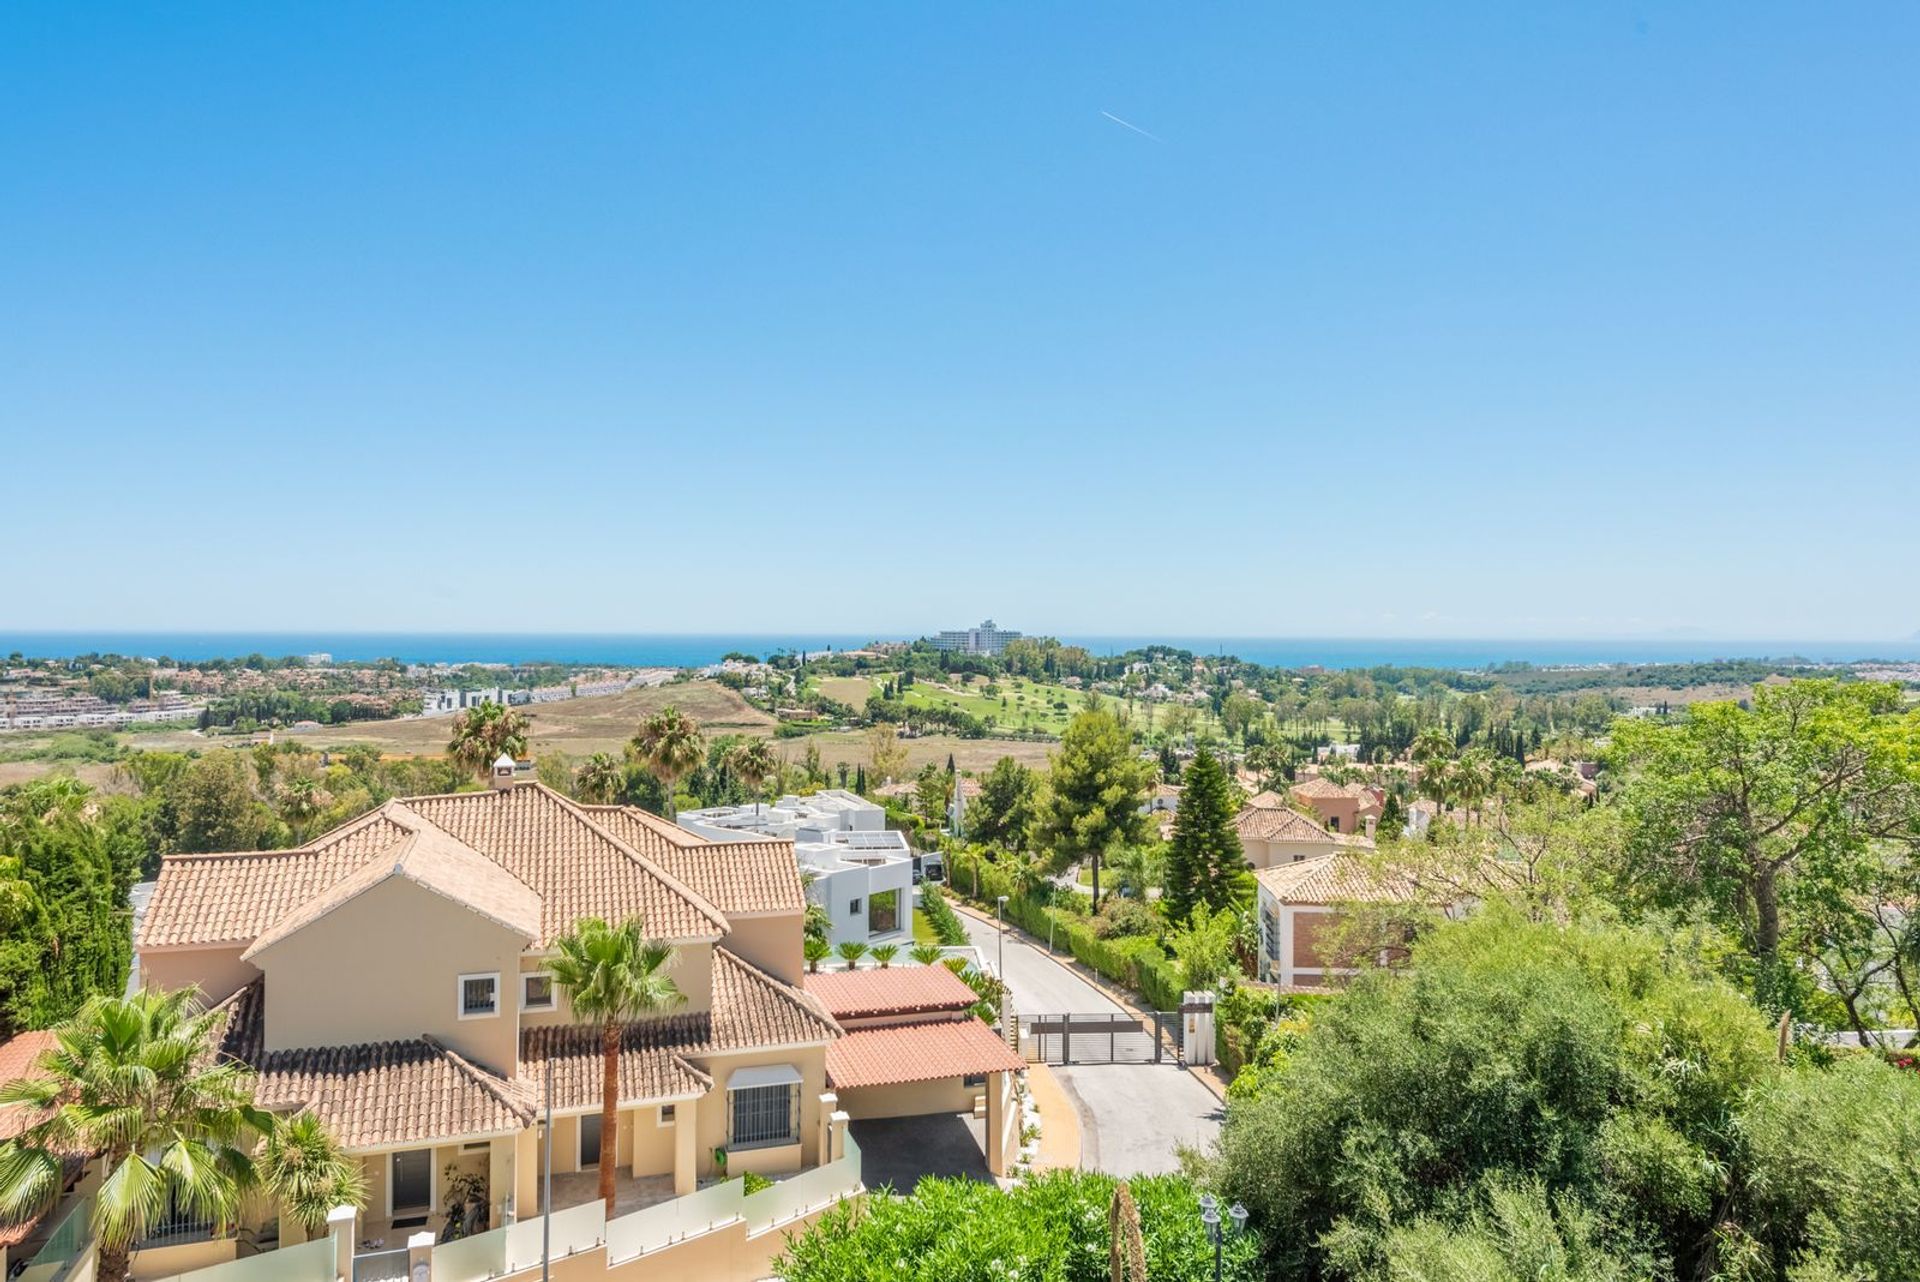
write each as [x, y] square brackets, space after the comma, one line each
[378, 1094]
[896, 990]
[1261, 823]
[917, 1053]
[738, 876]
[19, 1057]
[575, 867]
[430, 858]
[1337, 878]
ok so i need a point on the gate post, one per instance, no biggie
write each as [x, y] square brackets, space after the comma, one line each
[1066, 1039]
[1196, 1017]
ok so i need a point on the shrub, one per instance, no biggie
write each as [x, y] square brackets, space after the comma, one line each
[941, 917]
[1125, 917]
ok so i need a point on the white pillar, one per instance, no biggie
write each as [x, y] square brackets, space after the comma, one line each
[340, 1222]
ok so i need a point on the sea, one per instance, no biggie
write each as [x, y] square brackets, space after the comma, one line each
[686, 650]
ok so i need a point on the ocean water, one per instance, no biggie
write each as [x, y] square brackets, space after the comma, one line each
[693, 649]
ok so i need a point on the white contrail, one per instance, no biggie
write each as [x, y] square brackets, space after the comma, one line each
[1128, 124]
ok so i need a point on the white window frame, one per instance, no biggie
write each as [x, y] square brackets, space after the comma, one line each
[460, 995]
[666, 1116]
[553, 991]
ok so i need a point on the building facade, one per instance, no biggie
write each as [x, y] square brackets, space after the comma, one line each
[988, 638]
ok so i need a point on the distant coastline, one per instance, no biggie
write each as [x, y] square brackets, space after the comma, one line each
[683, 650]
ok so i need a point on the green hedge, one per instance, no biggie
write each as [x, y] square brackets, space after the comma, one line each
[940, 915]
[1134, 962]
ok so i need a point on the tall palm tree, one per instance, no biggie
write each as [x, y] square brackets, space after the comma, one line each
[670, 744]
[755, 763]
[485, 731]
[133, 1080]
[309, 1174]
[613, 976]
[598, 779]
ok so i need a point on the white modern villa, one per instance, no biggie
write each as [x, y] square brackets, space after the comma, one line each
[858, 870]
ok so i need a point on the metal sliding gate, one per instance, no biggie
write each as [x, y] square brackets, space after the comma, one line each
[1108, 1038]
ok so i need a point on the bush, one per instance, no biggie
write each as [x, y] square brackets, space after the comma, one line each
[753, 1182]
[1118, 917]
[941, 917]
[1052, 1228]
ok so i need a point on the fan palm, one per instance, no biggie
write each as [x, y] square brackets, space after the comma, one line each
[598, 780]
[613, 975]
[925, 954]
[308, 1173]
[815, 950]
[133, 1080]
[851, 952]
[884, 954]
[755, 763]
[670, 744]
[485, 731]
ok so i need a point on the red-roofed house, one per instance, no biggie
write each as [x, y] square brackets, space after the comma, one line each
[913, 1048]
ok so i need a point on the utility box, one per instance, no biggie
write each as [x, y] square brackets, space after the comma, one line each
[1196, 1028]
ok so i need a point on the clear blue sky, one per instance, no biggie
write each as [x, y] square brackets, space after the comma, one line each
[1423, 320]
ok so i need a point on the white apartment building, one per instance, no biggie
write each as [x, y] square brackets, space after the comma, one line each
[988, 638]
[862, 873]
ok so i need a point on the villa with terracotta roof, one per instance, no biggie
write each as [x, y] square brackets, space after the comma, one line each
[1273, 834]
[1300, 905]
[1341, 807]
[392, 977]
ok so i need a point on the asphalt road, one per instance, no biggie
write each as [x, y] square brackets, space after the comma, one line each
[1132, 1116]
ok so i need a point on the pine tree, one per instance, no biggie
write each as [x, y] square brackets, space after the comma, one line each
[1205, 861]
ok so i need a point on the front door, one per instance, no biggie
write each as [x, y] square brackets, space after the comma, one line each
[589, 1140]
[412, 1174]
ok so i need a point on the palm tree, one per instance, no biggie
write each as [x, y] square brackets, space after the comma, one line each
[925, 954]
[755, 763]
[884, 953]
[598, 779]
[483, 733]
[851, 952]
[815, 950]
[308, 1172]
[134, 1080]
[613, 975]
[670, 744]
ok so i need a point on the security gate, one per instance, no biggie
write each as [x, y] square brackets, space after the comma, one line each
[1105, 1038]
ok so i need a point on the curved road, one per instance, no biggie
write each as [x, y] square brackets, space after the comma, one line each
[1132, 1116]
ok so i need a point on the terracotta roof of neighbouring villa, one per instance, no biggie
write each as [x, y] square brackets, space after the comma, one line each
[738, 876]
[902, 1053]
[435, 861]
[750, 1009]
[573, 865]
[1337, 878]
[377, 1094]
[895, 990]
[1263, 823]
[19, 1056]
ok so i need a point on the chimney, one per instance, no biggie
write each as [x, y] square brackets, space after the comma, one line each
[1373, 825]
[502, 772]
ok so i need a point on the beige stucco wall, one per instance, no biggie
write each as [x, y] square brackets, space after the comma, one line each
[712, 1116]
[771, 943]
[911, 1099]
[691, 971]
[726, 1254]
[386, 965]
[218, 972]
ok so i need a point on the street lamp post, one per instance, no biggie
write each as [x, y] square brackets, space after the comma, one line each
[1210, 1216]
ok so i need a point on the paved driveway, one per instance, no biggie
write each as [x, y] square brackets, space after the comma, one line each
[1132, 1116]
[901, 1150]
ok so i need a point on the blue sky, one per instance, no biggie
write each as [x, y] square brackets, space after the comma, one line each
[1406, 320]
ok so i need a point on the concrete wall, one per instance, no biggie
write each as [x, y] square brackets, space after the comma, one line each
[386, 965]
[910, 1099]
[771, 943]
[726, 1254]
[217, 972]
[1271, 854]
[168, 1261]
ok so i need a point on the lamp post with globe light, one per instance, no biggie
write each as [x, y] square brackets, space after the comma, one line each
[1210, 1216]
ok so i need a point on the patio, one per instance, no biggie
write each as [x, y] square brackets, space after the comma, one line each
[630, 1192]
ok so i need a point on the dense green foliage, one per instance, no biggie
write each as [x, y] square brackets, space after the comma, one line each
[1095, 790]
[1594, 1097]
[68, 857]
[1052, 1228]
